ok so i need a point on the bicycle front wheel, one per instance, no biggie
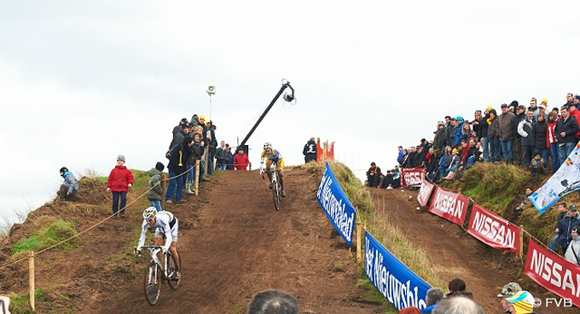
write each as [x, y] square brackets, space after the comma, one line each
[152, 283]
[276, 195]
[172, 268]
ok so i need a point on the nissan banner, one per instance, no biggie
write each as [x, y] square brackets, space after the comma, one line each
[425, 192]
[449, 205]
[411, 177]
[493, 230]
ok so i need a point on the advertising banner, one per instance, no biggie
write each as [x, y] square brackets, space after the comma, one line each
[411, 177]
[553, 272]
[336, 205]
[493, 230]
[395, 281]
[425, 192]
[564, 181]
[449, 205]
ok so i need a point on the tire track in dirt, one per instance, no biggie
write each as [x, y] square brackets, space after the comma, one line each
[242, 246]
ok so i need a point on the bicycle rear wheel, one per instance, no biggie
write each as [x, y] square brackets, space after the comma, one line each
[152, 283]
[276, 195]
[172, 268]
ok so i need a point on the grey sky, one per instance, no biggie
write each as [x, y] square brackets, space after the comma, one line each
[83, 81]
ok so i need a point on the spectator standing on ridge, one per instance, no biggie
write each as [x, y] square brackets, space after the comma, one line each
[195, 153]
[569, 99]
[412, 157]
[540, 141]
[449, 126]
[179, 126]
[405, 160]
[70, 187]
[439, 139]
[484, 125]
[212, 141]
[241, 160]
[551, 140]
[273, 302]
[565, 226]
[525, 132]
[534, 108]
[566, 129]
[177, 166]
[506, 133]
[120, 181]
[434, 295]
[517, 143]
[400, 155]
[184, 130]
[493, 135]
[373, 175]
[155, 193]
[458, 131]
[573, 111]
[475, 124]
[553, 244]
[573, 251]
[229, 157]
[221, 158]
[309, 150]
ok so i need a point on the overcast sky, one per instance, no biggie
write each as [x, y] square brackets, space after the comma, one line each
[84, 81]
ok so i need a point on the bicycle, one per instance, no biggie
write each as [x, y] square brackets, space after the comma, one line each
[156, 274]
[276, 189]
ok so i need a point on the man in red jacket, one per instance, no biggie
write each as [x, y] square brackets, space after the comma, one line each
[241, 160]
[120, 181]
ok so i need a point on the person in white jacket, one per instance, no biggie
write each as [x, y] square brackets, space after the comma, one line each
[573, 251]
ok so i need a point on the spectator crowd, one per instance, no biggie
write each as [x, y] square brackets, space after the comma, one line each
[532, 137]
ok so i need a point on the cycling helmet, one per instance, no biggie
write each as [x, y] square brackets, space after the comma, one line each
[63, 170]
[267, 146]
[150, 212]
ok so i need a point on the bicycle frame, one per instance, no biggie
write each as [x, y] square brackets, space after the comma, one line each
[276, 188]
[155, 250]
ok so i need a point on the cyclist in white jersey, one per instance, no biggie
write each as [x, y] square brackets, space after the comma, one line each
[271, 156]
[166, 225]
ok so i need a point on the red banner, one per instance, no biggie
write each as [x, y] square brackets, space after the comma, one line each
[553, 272]
[493, 230]
[425, 192]
[411, 176]
[449, 205]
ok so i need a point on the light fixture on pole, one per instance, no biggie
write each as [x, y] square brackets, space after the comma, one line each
[210, 91]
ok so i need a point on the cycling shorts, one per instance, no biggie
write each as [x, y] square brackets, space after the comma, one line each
[279, 163]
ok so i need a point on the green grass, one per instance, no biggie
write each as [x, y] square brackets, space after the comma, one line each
[379, 225]
[50, 232]
[20, 304]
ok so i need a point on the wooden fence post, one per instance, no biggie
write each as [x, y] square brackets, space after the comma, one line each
[358, 240]
[31, 278]
[196, 177]
[206, 160]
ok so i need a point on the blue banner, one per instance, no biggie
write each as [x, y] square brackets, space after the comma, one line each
[336, 205]
[564, 181]
[393, 279]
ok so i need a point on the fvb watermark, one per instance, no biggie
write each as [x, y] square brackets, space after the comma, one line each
[553, 302]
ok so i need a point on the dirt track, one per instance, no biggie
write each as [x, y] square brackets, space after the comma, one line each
[242, 246]
[454, 252]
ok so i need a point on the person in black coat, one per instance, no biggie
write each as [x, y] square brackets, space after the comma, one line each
[178, 165]
[309, 150]
[373, 176]
[540, 139]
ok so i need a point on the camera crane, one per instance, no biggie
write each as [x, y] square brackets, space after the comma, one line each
[287, 97]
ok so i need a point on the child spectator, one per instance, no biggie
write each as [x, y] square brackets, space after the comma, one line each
[562, 211]
[155, 191]
[537, 165]
[120, 181]
[70, 187]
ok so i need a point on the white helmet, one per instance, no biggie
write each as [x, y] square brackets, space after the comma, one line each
[267, 146]
[150, 212]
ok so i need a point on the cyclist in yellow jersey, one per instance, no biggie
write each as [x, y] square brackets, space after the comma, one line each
[269, 156]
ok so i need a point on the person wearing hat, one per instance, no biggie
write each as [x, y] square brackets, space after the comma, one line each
[176, 129]
[439, 139]
[507, 133]
[241, 160]
[184, 130]
[155, 192]
[120, 181]
[458, 136]
[453, 165]
[521, 302]
[565, 226]
[508, 291]
[70, 187]
[309, 150]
